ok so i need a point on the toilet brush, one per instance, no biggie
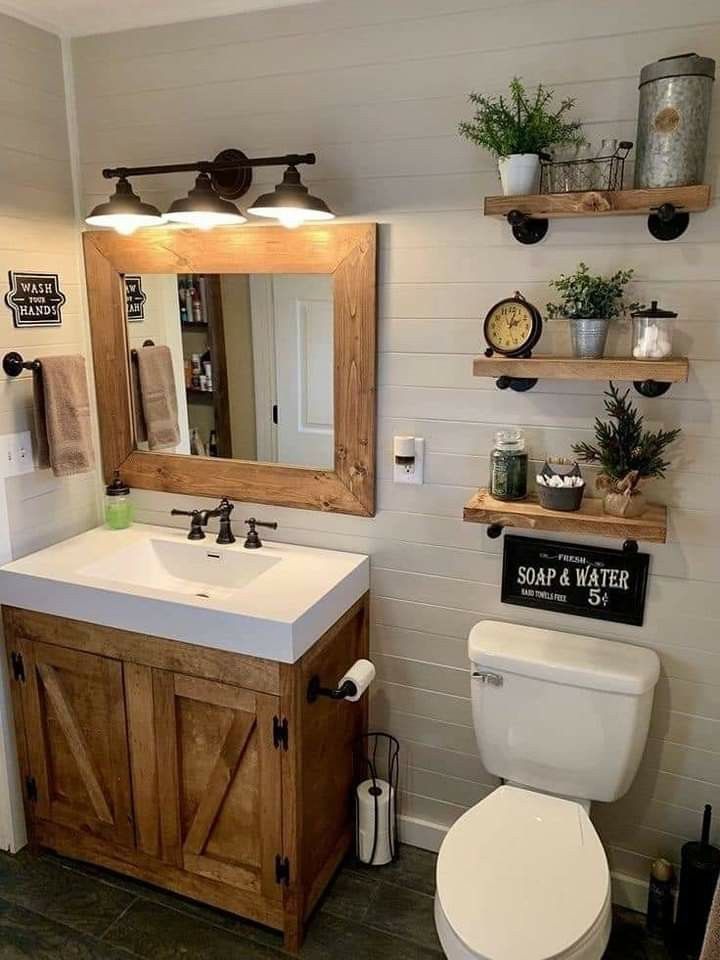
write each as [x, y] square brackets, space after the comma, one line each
[699, 871]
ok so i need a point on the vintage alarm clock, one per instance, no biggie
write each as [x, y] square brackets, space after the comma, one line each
[512, 327]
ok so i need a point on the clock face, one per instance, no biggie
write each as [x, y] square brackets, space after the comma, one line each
[512, 326]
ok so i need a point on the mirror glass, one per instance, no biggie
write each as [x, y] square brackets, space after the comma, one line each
[251, 358]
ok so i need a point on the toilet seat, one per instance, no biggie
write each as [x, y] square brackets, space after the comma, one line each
[523, 876]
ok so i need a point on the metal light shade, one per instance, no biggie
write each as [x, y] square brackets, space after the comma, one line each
[290, 203]
[124, 211]
[204, 208]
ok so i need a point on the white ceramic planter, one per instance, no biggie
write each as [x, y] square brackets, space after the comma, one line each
[519, 173]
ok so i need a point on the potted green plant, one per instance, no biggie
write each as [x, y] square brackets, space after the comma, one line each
[589, 302]
[518, 129]
[627, 454]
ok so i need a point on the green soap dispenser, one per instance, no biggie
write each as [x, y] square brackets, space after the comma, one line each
[118, 506]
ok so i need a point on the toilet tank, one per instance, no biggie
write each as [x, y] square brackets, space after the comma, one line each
[559, 712]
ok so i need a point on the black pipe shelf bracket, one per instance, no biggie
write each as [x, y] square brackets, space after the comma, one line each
[651, 388]
[668, 222]
[518, 384]
[646, 388]
[13, 364]
[527, 229]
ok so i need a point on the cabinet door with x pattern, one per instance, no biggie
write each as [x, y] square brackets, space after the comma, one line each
[76, 753]
[218, 781]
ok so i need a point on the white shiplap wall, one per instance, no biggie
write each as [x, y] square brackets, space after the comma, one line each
[37, 232]
[377, 90]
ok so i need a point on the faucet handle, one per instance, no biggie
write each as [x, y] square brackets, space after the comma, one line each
[196, 523]
[252, 541]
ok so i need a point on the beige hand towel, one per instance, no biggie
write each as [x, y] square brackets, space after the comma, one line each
[158, 397]
[711, 946]
[62, 416]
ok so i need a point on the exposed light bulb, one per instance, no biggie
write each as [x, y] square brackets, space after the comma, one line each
[291, 218]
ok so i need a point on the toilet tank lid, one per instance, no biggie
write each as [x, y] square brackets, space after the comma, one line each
[563, 657]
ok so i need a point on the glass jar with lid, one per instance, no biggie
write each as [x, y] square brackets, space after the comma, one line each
[118, 506]
[509, 466]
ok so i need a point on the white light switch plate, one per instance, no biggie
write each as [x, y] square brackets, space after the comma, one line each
[16, 454]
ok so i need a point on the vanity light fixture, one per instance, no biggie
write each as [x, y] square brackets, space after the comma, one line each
[204, 208]
[209, 202]
[291, 203]
[125, 211]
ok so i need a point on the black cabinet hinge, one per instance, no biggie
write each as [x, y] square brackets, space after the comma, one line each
[282, 869]
[31, 788]
[18, 666]
[275, 414]
[280, 732]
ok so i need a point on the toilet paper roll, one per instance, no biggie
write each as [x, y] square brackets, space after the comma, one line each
[361, 674]
[369, 823]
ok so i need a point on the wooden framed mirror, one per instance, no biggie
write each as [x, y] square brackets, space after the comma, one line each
[324, 278]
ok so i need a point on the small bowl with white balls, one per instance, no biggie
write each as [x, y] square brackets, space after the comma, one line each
[560, 485]
[652, 333]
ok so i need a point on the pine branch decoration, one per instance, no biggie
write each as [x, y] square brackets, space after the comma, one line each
[622, 445]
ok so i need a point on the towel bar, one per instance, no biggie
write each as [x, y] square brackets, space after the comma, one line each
[13, 364]
[146, 343]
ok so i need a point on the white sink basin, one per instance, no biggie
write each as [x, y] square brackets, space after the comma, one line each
[273, 602]
[182, 568]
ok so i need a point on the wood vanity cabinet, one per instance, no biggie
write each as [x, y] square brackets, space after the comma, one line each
[198, 770]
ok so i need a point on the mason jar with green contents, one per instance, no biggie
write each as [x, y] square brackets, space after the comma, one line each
[118, 506]
[508, 466]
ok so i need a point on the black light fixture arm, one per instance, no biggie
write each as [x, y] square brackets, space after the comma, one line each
[210, 166]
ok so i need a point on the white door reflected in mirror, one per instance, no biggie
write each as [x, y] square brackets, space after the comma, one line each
[252, 365]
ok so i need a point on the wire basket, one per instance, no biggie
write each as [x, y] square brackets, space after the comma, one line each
[377, 759]
[587, 173]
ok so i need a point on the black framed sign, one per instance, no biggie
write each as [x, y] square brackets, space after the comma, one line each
[35, 299]
[582, 581]
[135, 298]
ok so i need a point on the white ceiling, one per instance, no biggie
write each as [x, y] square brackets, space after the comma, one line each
[82, 17]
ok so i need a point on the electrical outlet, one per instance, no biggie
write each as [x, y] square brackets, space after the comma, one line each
[408, 460]
[16, 454]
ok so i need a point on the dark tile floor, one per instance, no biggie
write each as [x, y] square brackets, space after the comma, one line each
[56, 909]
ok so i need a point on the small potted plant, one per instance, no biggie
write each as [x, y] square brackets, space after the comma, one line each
[627, 455]
[589, 302]
[517, 130]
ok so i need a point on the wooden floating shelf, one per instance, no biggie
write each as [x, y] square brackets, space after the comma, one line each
[589, 520]
[671, 370]
[601, 203]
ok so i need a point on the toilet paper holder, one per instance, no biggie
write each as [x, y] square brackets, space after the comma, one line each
[315, 690]
[351, 686]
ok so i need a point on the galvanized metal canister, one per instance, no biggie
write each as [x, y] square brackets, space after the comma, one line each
[673, 120]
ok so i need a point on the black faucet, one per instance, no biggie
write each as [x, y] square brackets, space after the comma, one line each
[252, 541]
[199, 519]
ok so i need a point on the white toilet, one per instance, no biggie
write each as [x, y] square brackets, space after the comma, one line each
[563, 720]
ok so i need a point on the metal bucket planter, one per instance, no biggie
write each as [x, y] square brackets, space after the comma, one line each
[588, 337]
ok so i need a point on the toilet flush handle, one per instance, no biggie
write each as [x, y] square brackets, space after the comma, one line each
[484, 676]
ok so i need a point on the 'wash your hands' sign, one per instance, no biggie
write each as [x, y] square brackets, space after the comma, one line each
[581, 581]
